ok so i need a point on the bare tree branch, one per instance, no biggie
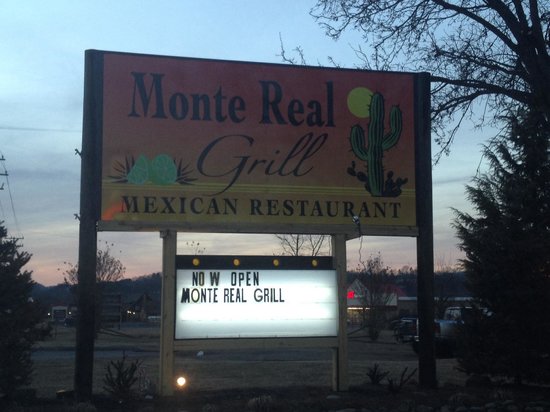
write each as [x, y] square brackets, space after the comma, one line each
[108, 268]
[303, 245]
[493, 53]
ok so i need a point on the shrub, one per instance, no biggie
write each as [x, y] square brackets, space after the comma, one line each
[120, 377]
[376, 375]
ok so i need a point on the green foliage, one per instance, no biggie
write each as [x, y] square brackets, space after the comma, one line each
[507, 264]
[120, 378]
[18, 316]
[475, 341]
[376, 375]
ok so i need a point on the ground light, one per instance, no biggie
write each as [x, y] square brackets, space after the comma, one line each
[181, 382]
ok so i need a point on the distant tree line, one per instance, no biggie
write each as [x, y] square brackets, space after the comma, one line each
[61, 294]
[446, 283]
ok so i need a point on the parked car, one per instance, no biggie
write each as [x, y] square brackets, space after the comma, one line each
[446, 330]
[404, 329]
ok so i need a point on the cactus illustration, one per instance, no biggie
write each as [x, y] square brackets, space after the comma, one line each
[371, 148]
[161, 171]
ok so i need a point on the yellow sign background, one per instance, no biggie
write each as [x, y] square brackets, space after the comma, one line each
[219, 145]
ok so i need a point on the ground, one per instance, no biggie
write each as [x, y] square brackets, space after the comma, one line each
[256, 380]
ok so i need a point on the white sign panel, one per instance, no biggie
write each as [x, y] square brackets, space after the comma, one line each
[248, 303]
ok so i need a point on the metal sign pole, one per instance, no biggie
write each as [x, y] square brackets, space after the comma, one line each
[87, 246]
[424, 242]
[166, 365]
[340, 379]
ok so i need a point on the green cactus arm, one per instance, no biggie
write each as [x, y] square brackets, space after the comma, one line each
[358, 142]
[396, 127]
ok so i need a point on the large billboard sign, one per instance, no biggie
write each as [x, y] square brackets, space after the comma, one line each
[255, 297]
[211, 145]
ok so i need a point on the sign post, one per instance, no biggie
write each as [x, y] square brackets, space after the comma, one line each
[193, 145]
[166, 365]
[89, 216]
[424, 240]
[261, 302]
[340, 378]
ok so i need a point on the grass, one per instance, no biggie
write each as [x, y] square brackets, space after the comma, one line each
[206, 373]
[234, 380]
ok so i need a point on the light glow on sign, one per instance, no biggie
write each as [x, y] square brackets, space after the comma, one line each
[233, 303]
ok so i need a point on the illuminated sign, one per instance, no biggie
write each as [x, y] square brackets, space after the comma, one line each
[255, 297]
[211, 145]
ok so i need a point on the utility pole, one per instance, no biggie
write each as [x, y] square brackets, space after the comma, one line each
[5, 172]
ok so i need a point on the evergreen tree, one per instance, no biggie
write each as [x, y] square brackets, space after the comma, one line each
[507, 257]
[18, 316]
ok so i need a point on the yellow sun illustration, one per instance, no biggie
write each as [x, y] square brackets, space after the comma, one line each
[359, 101]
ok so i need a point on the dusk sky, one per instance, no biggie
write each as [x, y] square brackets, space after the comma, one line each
[41, 92]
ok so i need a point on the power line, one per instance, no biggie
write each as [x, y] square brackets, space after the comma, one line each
[5, 174]
[38, 129]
